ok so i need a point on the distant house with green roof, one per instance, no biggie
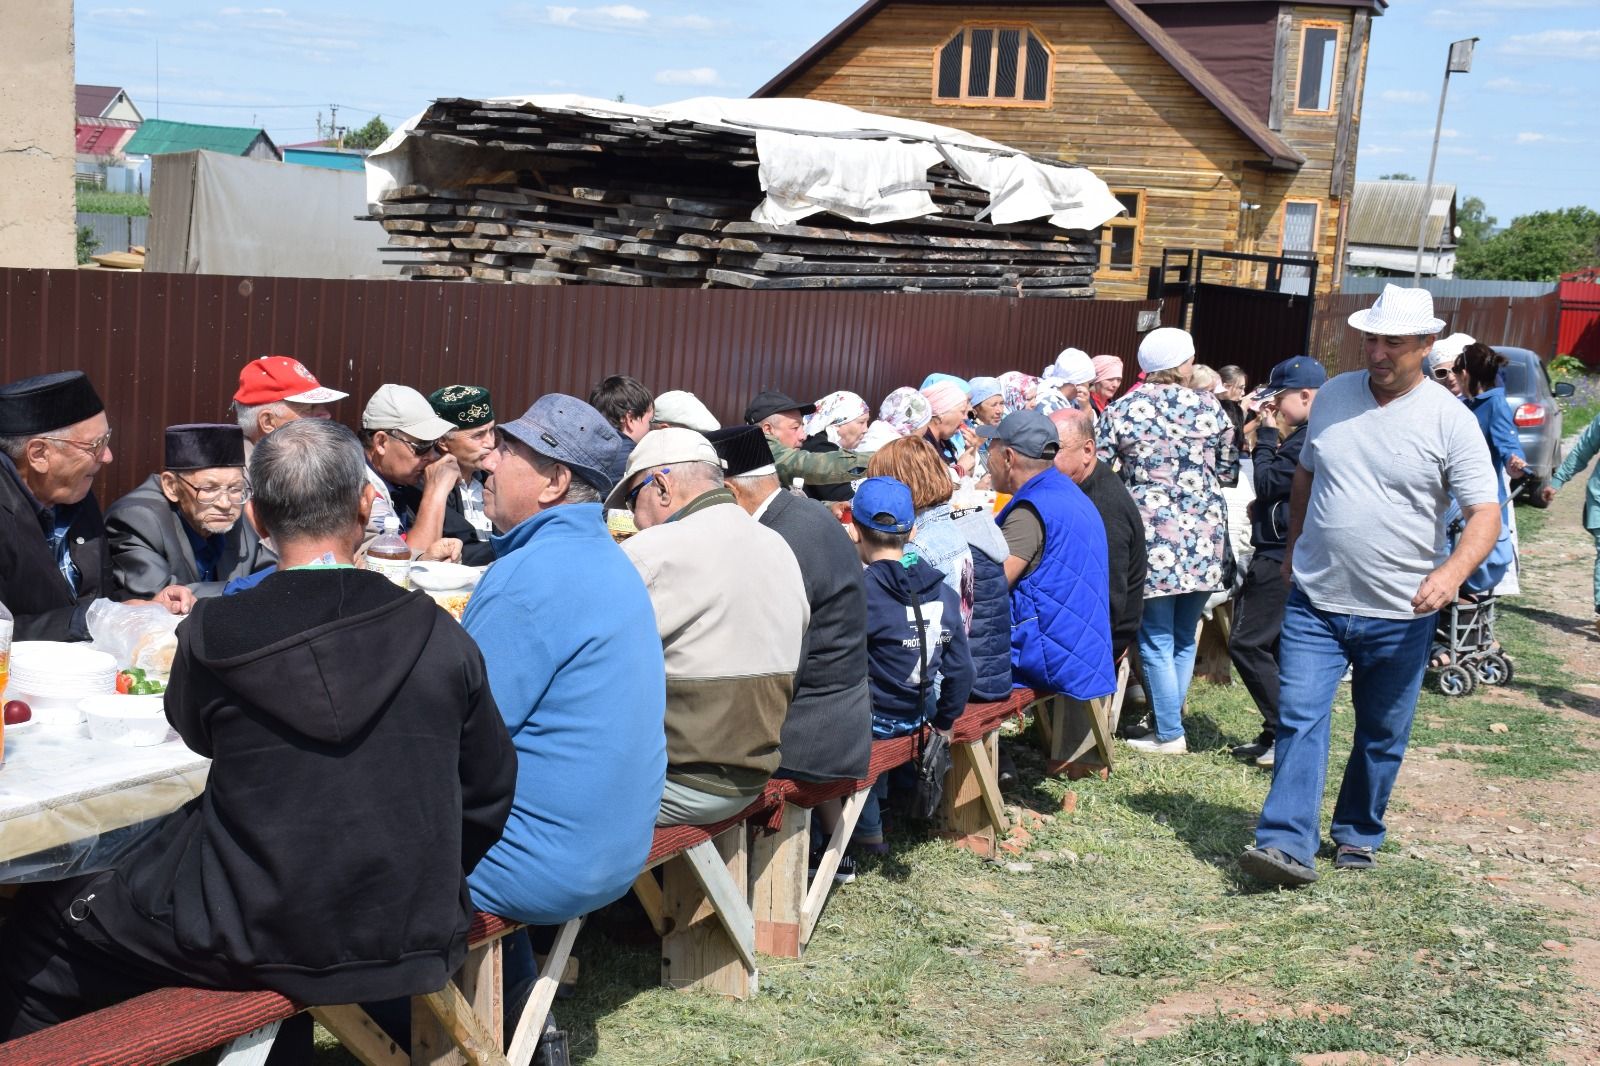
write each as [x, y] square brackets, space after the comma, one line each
[160, 137]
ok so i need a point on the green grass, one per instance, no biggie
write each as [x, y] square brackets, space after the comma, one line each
[1135, 899]
[100, 202]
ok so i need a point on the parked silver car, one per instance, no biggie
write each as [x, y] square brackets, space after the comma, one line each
[1537, 415]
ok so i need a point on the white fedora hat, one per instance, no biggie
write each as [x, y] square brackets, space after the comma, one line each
[1399, 312]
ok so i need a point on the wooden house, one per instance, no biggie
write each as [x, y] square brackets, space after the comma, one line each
[1227, 125]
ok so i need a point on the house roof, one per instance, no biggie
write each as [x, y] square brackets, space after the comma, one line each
[101, 136]
[159, 137]
[1277, 150]
[1390, 212]
[94, 99]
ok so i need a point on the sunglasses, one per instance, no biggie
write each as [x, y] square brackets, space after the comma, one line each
[1440, 373]
[632, 498]
[418, 448]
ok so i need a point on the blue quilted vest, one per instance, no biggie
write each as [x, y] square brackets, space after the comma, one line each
[990, 636]
[1061, 613]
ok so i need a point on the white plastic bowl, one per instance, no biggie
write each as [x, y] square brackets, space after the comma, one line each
[137, 721]
[444, 577]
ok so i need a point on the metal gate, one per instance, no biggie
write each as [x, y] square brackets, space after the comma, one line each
[1255, 327]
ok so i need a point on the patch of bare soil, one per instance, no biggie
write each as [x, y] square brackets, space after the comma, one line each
[1538, 841]
[1173, 1013]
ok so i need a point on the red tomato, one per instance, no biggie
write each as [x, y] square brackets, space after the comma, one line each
[124, 683]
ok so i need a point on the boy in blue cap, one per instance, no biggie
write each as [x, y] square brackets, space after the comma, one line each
[919, 667]
[1281, 408]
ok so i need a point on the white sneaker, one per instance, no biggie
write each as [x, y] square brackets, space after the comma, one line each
[1180, 746]
[1266, 758]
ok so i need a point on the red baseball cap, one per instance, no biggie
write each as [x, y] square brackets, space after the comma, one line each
[277, 378]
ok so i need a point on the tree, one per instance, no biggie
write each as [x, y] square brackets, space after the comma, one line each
[1537, 247]
[1397, 177]
[369, 136]
[1477, 225]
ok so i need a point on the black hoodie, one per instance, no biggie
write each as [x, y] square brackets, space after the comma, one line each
[360, 769]
[895, 646]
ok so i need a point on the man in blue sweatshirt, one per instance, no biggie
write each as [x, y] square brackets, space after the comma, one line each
[574, 662]
[1282, 407]
[919, 666]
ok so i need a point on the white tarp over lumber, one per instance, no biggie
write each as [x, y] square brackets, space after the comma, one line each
[815, 156]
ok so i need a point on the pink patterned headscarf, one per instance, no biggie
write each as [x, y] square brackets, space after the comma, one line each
[1107, 367]
[946, 396]
[1019, 390]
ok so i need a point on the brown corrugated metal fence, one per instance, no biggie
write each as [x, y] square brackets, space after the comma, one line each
[166, 348]
[1515, 321]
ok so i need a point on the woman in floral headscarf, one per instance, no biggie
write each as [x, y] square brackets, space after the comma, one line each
[839, 423]
[904, 412]
[1019, 389]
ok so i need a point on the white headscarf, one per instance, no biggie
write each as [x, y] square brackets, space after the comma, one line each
[833, 410]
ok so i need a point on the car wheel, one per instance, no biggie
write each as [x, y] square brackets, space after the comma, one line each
[1532, 492]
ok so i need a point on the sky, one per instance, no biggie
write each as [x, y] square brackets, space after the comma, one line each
[1521, 131]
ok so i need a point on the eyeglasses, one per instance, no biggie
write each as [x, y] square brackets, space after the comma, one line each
[93, 447]
[234, 493]
[632, 499]
[418, 448]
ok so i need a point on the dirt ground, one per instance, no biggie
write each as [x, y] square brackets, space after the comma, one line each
[1539, 841]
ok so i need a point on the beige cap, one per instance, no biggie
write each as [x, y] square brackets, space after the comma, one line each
[663, 447]
[400, 407]
[679, 408]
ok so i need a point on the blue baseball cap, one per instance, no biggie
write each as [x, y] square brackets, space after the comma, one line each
[1298, 372]
[566, 429]
[884, 504]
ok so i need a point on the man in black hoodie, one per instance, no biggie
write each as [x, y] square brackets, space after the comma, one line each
[1282, 407]
[359, 769]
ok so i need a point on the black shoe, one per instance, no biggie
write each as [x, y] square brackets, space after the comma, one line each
[1350, 857]
[552, 1049]
[843, 875]
[1253, 750]
[1008, 769]
[1135, 730]
[1276, 868]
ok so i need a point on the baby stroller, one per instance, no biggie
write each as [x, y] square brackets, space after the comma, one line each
[1465, 638]
[1464, 643]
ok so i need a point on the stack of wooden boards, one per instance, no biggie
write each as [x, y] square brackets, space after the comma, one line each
[564, 197]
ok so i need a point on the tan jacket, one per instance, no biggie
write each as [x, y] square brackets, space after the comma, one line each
[732, 613]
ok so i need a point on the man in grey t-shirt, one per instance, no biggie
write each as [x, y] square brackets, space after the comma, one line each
[1385, 450]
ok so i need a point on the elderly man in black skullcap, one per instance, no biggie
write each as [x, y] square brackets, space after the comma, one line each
[54, 558]
[184, 525]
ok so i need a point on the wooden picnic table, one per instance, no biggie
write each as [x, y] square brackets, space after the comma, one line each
[60, 794]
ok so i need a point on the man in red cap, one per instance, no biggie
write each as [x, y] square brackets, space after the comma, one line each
[275, 390]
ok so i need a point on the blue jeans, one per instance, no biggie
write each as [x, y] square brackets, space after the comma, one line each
[1166, 651]
[1387, 657]
[1595, 533]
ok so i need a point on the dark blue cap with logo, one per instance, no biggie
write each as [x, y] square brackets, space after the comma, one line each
[1299, 372]
[884, 504]
[566, 429]
[1028, 431]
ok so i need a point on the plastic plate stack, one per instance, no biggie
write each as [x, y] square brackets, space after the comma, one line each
[52, 677]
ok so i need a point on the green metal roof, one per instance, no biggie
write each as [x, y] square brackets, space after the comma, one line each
[158, 137]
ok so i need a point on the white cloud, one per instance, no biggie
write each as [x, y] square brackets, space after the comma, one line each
[1525, 137]
[695, 76]
[1404, 96]
[1369, 150]
[118, 14]
[1555, 44]
[605, 17]
[1519, 88]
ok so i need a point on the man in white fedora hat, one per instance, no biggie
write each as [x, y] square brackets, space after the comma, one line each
[1385, 450]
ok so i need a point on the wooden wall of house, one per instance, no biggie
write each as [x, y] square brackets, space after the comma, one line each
[1120, 109]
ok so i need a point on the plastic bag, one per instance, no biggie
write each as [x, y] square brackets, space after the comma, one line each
[143, 637]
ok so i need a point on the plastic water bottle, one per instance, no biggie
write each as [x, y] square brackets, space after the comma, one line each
[798, 487]
[389, 555]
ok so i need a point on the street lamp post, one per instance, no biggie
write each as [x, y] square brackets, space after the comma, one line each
[1460, 62]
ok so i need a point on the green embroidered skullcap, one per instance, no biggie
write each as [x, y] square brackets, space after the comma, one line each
[465, 406]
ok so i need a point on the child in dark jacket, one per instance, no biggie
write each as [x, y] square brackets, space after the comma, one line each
[919, 667]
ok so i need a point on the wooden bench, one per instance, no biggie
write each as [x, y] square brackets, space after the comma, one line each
[1076, 734]
[461, 1022]
[788, 900]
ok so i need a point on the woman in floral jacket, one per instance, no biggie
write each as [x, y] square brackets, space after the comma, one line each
[1174, 449]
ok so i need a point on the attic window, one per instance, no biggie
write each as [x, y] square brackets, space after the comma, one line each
[1319, 50]
[993, 65]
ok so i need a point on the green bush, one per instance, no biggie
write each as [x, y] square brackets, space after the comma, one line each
[86, 244]
[100, 202]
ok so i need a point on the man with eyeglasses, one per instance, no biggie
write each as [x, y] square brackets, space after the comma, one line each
[54, 557]
[183, 525]
[400, 435]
